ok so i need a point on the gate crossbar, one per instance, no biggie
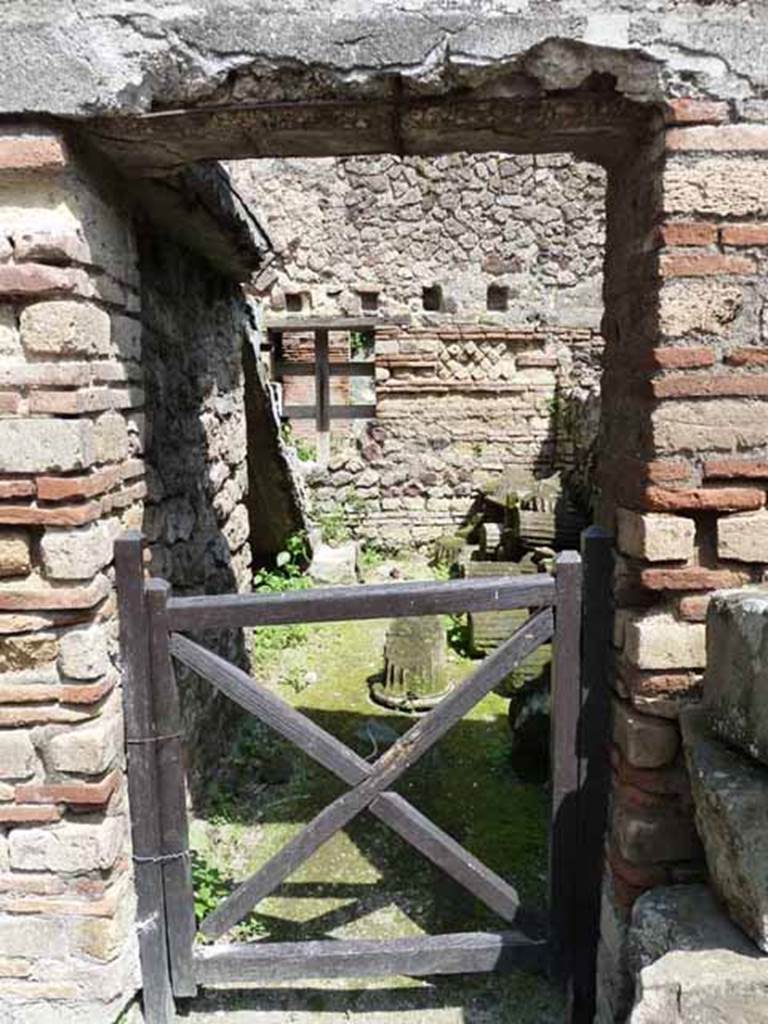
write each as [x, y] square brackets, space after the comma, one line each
[371, 782]
[152, 621]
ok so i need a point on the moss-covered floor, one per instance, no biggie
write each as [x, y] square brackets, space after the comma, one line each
[366, 882]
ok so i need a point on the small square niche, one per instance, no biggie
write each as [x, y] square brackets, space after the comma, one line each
[432, 298]
[294, 302]
[497, 298]
[369, 301]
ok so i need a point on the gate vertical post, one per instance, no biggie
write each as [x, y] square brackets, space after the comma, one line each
[322, 395]
[564, 760]
[594, 763]
[174, 831]
[140, 734]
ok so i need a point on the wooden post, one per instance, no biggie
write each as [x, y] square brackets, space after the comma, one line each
[140, 735]
[174, 833]
[594, 764]
[322, 396]
[564, 761]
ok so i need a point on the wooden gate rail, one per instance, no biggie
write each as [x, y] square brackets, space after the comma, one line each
[152, 622]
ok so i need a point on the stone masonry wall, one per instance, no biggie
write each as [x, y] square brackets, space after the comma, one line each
[685, 459]
[71, 478]
[194, 326]
[489, 380]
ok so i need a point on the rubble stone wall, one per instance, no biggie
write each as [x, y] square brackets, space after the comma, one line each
[71, 478]
[196, 520]
[505, 373]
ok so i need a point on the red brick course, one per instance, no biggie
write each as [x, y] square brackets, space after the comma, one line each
[38, 279]
[748, 357]
[31, 153]
[688, 233]
[96, 793]
[732, 469]
[752, 385]
[744, 234]
[15, 814]
[673, 358]
[62, 488]
[692, 578]
[29, 515]
[705, 264]
[16, 489]
[715, 499]
[44, 598]
[693, 111]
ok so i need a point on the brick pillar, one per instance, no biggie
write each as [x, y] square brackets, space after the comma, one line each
[688, 484]
[70, 479]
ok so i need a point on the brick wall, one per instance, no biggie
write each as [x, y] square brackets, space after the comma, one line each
[456, 406]
[690, 479]
[71, 477]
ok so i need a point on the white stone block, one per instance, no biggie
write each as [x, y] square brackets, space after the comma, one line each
[655, 537]
[656, 640]
[743, 537]
[70, 848]
[76, 554]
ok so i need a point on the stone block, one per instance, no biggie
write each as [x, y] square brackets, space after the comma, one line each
[654, 835]
[725, 424]
[730, 794]
[730, 186]
[69, 848]
[14, 553]
[83, 653]
[736, 680]
[45, 445]
[10, 342]
[655, 537]
[27, 651]
[89, 749]
[698, 307]
[645, 741]
[743, 538]
[694, 966]
[65, 329]
[110, 438]
[32, 937]
[334, 564]
[17, 755]
[76, 554]
[656, 640]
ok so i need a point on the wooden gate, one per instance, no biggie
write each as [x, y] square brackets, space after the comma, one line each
[152, 626]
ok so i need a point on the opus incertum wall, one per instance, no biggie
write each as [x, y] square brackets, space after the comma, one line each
[668, 100]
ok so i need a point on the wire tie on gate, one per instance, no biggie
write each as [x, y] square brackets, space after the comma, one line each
[161, 857]
[156, 739]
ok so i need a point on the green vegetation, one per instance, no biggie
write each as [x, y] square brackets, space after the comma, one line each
[288, 574]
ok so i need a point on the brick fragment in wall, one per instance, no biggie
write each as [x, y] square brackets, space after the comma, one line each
[90, 794]
[690, 357]
[63, 488]
[743, 538]
[747, 357]
[45, 445]
[704, 264]
[68, 848]
[688, 233]
[692, 578]
[77, 553]
[32, 515]
[25, 280]
[645, 741]
[705, 385]
[713, 499]
[688, 110]
[50, 247]
[16, 489]
[89, 749]
[747, 469]
[656, 640]
[693, 607]
[14, 553]
[655, 537]
[744, 234]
